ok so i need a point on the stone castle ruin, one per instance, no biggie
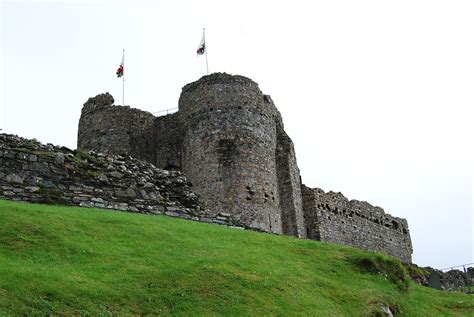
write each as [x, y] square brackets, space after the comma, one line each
[229, 140]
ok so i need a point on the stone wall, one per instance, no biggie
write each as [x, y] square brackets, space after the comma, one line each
[229, 140]
[456, 279]
[168, 137]
[229, 149]
[333, 218]
[33, 172]
[289, 185]
[227, 137]
[451, 280]
[106, 128]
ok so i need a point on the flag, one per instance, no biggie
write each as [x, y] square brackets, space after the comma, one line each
[202, 46]
[119, 71]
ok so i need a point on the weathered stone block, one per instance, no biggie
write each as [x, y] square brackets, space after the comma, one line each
[103, 178]
[173, 209]
[14, 178]
[115, 174]
[75, 188]
[143, 194]
[87, 204]
[59, 159]
[127, 193]
[97, 200]
[32, 189]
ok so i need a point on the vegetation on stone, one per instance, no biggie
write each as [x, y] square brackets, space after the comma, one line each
[90, 179]
[67, 261]
[386, 266]
[50, 195]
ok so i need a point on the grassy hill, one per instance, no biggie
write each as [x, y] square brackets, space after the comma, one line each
[76, 261]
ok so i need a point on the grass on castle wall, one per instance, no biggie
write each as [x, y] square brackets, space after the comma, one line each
[76, 261]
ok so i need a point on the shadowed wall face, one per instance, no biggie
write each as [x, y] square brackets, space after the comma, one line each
[289, 186]
[229, 149]
[167, 137]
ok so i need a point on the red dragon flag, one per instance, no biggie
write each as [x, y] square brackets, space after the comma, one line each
[201, 50]
[119, 71]
[202, 46]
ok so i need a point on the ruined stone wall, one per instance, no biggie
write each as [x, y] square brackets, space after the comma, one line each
[142, 145]
[229, 140]
[224, 137]
[33, 172]
[333, 218]
[229, 149]
[454, 279]
[168, 136]
[310, 210]
[289, 185]
[112, 129]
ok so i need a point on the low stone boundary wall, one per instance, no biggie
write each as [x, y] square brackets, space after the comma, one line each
[33, 172]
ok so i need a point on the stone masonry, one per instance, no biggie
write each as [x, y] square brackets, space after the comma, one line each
[332, 217]
[33, 172]
[229, 140]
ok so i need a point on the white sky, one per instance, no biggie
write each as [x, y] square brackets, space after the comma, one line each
[376, 95]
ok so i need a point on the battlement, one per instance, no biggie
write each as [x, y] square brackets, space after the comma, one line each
[109, 128]
[337, 203]
[332, 217]
[229, 140]
[223, 79]
[98, 102]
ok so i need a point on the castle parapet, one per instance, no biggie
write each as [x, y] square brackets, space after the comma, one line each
[98, 102]
[111, 129]
[333, 218]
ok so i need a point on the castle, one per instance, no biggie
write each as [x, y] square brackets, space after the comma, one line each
[229, 140]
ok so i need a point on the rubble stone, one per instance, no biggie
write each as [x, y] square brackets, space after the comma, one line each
[50, 182]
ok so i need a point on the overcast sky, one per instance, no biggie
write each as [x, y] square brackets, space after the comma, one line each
[376, 95]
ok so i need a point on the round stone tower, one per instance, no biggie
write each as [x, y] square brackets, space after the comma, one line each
[229, 149]
[110, 129]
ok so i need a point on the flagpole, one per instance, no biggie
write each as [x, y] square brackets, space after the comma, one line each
[123, 80]
[205, 49]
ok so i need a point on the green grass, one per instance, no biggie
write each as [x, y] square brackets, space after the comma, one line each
[58, 260]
